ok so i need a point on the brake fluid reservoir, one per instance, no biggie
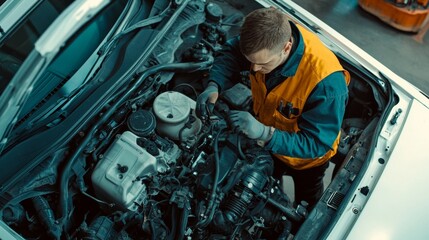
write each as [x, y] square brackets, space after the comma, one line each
[116, 178]
[176, 116]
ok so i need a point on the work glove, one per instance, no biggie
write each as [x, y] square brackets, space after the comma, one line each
[206, 101]
[244, 122]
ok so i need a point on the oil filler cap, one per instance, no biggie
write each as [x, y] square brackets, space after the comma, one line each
[142, 123]
[214, 12]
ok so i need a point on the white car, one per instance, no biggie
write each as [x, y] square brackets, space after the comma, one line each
[99, 137]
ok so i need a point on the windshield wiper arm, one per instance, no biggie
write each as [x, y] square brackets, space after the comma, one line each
[141, 24]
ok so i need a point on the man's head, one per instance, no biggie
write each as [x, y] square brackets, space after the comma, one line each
[265, 39]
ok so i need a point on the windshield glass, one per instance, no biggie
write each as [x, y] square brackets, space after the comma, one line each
[17, 46]
[67, 71]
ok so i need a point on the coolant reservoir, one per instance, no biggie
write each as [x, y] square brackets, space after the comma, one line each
[116, 177]
[176, 116]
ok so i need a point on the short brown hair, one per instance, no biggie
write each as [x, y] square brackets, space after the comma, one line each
[264, 28]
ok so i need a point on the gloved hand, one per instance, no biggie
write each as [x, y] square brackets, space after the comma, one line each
[206, 101]
[247, 124]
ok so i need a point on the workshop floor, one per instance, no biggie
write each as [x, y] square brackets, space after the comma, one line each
[399, 51]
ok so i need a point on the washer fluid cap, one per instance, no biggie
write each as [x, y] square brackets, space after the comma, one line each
[171, 107]
[174, 115]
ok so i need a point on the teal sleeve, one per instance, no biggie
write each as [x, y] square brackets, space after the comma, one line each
[228, 64]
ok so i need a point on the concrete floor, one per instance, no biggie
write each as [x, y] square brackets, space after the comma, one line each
[397, 50]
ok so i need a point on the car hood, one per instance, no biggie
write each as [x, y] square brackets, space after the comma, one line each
[398, 205]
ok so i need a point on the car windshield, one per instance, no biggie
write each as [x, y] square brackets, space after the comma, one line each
[19, 43]
[69, 68]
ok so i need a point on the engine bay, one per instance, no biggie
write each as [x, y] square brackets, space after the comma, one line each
[149, 168]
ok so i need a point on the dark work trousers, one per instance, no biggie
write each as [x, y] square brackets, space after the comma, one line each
[308, 183]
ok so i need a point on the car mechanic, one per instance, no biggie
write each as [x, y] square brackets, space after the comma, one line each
[299, 92]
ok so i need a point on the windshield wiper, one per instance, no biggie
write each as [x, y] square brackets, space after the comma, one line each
[141, 24]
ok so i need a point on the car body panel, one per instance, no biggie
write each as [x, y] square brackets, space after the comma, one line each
[6, 233]
[397, 205]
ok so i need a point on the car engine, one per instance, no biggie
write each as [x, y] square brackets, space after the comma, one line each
[181, 178]
[164, 174]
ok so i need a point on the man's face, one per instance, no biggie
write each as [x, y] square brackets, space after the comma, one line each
[264, 61]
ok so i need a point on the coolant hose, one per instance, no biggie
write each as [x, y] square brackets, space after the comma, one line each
[46, 216]
[210, 206]
[290, 213]
[183, 223]
[173, 222]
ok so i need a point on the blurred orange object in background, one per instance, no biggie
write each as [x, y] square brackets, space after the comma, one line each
[405, 15]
